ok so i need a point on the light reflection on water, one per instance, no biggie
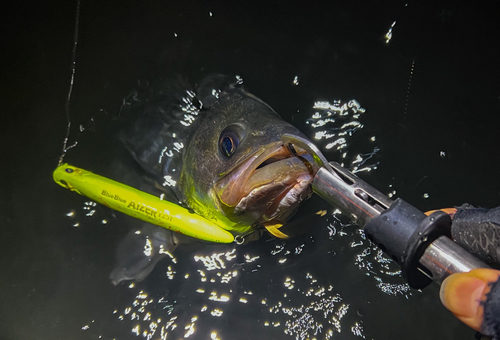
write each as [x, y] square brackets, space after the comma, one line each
[335, 124]
[267, 285]
[260, 288]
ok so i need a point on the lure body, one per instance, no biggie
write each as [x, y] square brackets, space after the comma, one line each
[139, 204]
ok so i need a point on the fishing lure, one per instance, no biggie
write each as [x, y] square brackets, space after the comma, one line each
[139, 204]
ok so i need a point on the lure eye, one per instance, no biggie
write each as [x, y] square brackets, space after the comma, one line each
[228, 143]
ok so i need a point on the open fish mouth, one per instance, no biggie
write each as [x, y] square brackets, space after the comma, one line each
[267, 186]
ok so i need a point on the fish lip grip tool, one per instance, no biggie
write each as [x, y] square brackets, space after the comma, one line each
[421, 244]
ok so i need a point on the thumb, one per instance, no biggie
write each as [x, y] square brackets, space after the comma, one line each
[465, 294]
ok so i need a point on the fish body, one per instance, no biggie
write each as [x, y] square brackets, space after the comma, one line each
[218, 148]
[252, 177]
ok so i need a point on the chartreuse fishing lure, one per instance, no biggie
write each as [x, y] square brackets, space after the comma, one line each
[139, 204]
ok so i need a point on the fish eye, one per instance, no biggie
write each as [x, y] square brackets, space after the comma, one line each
[228, 143]
[230, 138]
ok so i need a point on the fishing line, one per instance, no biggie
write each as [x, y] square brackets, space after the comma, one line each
[72, 80]
[408, 88]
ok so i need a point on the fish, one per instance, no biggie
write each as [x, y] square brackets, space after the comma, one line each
[140, 250]
[216, 149]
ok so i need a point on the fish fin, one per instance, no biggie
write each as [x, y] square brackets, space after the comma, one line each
[274, 230]
[289, 227]
[300, 225]
[138, 253]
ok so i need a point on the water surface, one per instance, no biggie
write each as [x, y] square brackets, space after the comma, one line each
[431, 101]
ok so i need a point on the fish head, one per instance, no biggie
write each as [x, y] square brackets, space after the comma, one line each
[237, 169]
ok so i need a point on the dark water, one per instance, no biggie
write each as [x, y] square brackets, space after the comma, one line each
[432, 101]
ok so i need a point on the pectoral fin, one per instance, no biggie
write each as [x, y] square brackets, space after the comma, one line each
[274, 230]
[140, 250]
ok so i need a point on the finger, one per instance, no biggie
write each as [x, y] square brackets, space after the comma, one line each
[464, 294]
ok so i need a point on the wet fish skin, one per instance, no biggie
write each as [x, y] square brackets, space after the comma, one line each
[207, 180]
[177, 135]
[258, 128]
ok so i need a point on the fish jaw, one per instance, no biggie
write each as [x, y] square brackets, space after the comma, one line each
[266, 187]
[277, 199]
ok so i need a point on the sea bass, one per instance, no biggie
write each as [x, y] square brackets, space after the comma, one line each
[228, 162]
[217, 150]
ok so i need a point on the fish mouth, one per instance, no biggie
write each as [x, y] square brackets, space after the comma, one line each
[266, 186]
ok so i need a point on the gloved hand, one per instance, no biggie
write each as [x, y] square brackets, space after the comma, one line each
[477, 230]
[474, 298]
